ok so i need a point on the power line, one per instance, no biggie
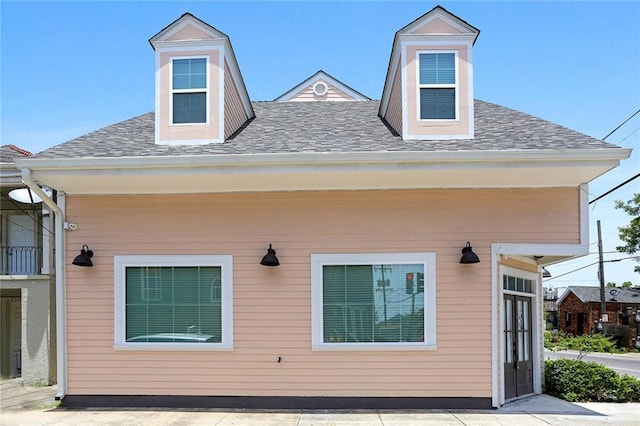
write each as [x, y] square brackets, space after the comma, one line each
[621, 124]
[631, 178]
[586, 266]
[629, 135]
[616, 187]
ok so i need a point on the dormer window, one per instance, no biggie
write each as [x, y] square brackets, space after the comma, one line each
[437, 85]
[189, 90]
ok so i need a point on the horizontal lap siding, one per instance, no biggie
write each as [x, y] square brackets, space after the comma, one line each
[393, 114]
[272, 306]
[333, 94]
[234, 113]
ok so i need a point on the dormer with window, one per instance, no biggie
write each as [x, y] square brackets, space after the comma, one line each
[200, 95]
[428, 92]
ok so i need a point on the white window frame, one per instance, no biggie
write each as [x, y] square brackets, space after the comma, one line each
[173, 91]
[317, 318]
[455, 86]
[123, 262]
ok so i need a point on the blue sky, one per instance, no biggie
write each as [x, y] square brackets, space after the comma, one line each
[68, 68]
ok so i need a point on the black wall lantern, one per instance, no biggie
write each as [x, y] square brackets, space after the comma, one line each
[468, 256]
[84, 258]
[545, 273]
[270, 258]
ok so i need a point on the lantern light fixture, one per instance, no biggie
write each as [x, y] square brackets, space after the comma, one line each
[468, 256]
[270, 258]
[84, 258]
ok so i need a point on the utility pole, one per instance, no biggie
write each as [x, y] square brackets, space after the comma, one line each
[384, 283]
[603, 303]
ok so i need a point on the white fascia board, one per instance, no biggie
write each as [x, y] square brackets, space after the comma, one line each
[182, 23]
[513, 158]
[448, 18]
[315, 171]
[540, 249]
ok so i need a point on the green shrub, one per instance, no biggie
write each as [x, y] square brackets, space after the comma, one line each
[593, 343]
[629, 389]
[559, 341]
[579, 381]
[556, 340]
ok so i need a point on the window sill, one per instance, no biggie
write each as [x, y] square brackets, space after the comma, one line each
[438, 120]
[374, 347]
[172, 347]
[205, 123]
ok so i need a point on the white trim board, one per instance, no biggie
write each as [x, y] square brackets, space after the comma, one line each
[121, 262]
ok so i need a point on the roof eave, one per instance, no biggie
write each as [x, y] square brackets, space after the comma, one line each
[324, 171]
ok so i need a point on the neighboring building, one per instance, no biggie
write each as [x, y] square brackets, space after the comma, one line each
[27, 294]
[579, 313]
[368, 204]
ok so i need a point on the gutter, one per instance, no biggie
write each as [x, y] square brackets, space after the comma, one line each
[289, 159]
[60, 225]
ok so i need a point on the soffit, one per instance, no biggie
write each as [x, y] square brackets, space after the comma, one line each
[322, 171]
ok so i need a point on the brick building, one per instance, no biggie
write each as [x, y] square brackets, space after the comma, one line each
[579, 312]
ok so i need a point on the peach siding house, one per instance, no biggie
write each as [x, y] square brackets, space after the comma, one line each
[308, 252]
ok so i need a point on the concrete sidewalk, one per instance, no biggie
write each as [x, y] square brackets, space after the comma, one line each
[36, 406]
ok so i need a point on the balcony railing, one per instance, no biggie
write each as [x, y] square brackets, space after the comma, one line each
[20, 260]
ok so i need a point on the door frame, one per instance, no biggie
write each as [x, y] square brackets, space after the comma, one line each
[524, 367]
[536, 328]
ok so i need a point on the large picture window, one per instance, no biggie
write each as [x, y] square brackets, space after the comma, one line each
[189, 90]
[173, 301]
[437, 82]
[373, 300]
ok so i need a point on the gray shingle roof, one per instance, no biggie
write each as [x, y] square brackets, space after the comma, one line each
[283, 127]
[592, 294]
[9, 152]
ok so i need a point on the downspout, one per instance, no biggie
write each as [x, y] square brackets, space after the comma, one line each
[60, 225]
[495, 337]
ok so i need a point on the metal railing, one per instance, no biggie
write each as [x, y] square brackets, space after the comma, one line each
[20, 260]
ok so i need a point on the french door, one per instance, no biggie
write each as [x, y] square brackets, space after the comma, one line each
[517, 343]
